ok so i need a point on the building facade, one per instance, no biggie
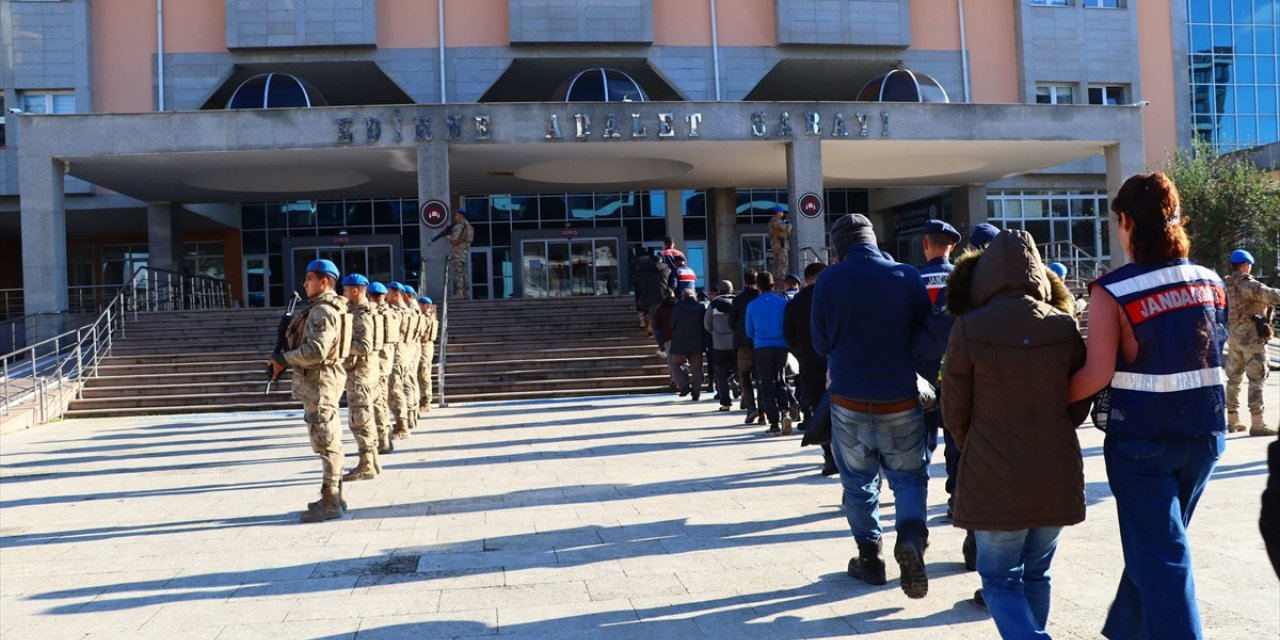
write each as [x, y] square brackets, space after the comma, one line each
[738, 106]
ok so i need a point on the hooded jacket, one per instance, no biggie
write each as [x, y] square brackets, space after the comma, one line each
[716, 322]
[1004, 390]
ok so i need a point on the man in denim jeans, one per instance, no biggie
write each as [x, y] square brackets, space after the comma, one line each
[866, 311]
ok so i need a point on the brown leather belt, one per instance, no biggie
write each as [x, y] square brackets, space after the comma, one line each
[876, 408]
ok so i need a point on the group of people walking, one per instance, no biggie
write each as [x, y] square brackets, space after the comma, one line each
[376, 342]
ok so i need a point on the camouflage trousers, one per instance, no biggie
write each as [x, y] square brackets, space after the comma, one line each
[409, 386]
[381, 412]
[781, 260]
[319, 392]
[396, 400]
[1248, 360]
[425, 368]
[361, 389]
[460, 275]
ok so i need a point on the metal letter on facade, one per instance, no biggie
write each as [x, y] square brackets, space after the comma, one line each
[862, 124]
[784, 125]
[452, 127]
[611, 127]
[553, 128]
[665, 127]
[372, 129]
[344, 130]
[582, 122]
[811, 120]
[841, 128]
[758, 128]
[422, 128]
[884, 123]
[638, 130]
[482, 127]
[397, 120]
[695, 121]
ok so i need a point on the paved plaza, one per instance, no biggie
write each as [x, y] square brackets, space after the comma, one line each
[627, 517]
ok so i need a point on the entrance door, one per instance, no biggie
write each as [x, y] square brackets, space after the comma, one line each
[755, 252]
[256, 276]
[481, 279]
[564, 268]
[696, 253]
[372, 261]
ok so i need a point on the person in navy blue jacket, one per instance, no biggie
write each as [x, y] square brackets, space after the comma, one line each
[764, 327]
[867, 311]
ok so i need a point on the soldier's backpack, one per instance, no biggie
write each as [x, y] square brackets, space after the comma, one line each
[391, 329]
[379, 328]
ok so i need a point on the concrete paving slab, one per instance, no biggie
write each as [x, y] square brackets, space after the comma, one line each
[630, 517]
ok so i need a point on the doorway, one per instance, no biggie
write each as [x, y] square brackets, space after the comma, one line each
[257, 275]
[373, 261]
[570, 267]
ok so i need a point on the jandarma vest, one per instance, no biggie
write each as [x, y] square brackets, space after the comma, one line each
[1174, 387]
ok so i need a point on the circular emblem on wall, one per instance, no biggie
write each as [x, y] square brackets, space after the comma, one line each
[434, 213]
[810, 205]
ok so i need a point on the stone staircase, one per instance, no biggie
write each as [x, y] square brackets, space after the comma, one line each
[204, 361]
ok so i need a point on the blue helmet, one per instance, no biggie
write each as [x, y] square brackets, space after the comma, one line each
[325, 267]
[425, 300]
[378, 289]
[1058, 268]
[356, 280]
[1240, 256]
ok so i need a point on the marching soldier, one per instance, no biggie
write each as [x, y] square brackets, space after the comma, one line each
[1250, 305]
[318, 341]
[460, 238]
[413, 345]
[780, 243]
[395, 380]
[361, 366]
[385, 350]
[430, 333]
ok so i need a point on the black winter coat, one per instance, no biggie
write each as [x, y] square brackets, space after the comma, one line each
[687, 333]
[738, 318]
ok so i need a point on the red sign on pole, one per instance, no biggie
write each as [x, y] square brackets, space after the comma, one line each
[434, 213]
[810, 205]
[568, 232]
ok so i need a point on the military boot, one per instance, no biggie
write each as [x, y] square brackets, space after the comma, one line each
[868, 565]
[913, 539]
[969, 549]
[1260, 427]
[328, 507]
[384, 441]
[1233, 422]
[366, 469]
[377, 461]
[401, 431]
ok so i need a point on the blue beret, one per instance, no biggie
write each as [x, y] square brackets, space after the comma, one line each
[938, 226]
[777, 208]
[395, 285]
[324, 266]
[1240, 256]
[982, 234]
[378, 289]
[794, 277]
[409, 291]
[1058, 268]
[425, 300]
[355, 279]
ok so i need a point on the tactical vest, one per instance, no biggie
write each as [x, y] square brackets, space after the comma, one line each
[1174, 389]
[391, 330]
[342, 348]
[379, 327]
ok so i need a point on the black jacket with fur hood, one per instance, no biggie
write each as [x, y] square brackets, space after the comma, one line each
[1004, 390]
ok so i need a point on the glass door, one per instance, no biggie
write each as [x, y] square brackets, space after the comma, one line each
[559, 276]
[480, 277]
[563, 268]
[755, 252]
[256, 276]
[535, 268]
[606, 267]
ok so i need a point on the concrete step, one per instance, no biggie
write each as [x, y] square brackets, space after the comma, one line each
[170, 379]
[551, 364]
[276, 397]
[222, 405]
[563, 392]
[182, 368]
[454, 378]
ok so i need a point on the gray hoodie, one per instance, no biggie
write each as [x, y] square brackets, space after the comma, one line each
[716, 322]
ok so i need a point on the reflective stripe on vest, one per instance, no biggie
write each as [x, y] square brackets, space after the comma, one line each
[1169, 275]
[1168, 383]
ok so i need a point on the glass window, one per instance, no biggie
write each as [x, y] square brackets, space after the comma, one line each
[1102, 4]
[1055, 94]
[1106, 94]
[48, 102]
[3, 113]
[1050, 3]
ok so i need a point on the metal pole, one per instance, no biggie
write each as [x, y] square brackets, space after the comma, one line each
[444, 333]
[79, 363]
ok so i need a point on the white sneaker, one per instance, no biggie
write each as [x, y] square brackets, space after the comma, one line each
[662, 353]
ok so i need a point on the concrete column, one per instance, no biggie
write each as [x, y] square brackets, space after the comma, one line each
[804, 175]
[722, 206]
[968, 207]
[164, 236]
[1124, 159]
[44, 242]
[433, 184]
[674, 200]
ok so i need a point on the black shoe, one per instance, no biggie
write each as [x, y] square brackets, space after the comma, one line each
[868, 565]
[969, 549]
[695, 397]
[752, 414]
[773, 431]
[913, 539]
[685, 391]
[829, 470]
[795, 413]
[978, 600]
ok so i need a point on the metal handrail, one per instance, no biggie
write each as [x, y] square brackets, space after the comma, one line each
[11, 303]
[444, 331]
[817, 257]
[53, 370]
[1081, 265]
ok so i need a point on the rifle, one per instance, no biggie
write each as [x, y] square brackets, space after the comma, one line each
[281, 343]
[443, 232]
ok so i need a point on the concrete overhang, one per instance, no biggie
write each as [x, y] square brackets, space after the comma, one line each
[234, 156]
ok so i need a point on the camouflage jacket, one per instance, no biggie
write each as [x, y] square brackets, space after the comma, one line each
[320, 335]
[462, 235]
[779, 231]
[1246, 297]
[362, 334]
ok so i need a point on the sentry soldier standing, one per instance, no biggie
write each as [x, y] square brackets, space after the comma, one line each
[413, 346]
[396, 401]
[1250, 306]
[318, 340]
[780, 243]
[431, 331]
[386, 353]
[460, 238]
[361, 366]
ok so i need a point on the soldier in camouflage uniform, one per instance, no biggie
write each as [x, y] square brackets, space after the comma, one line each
[780, 243]
[383, 319]
[414, 348]
[318, 341]
[430, 333]
[361, 366]
[396, 400]
[460, 238]
[1247, 299]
